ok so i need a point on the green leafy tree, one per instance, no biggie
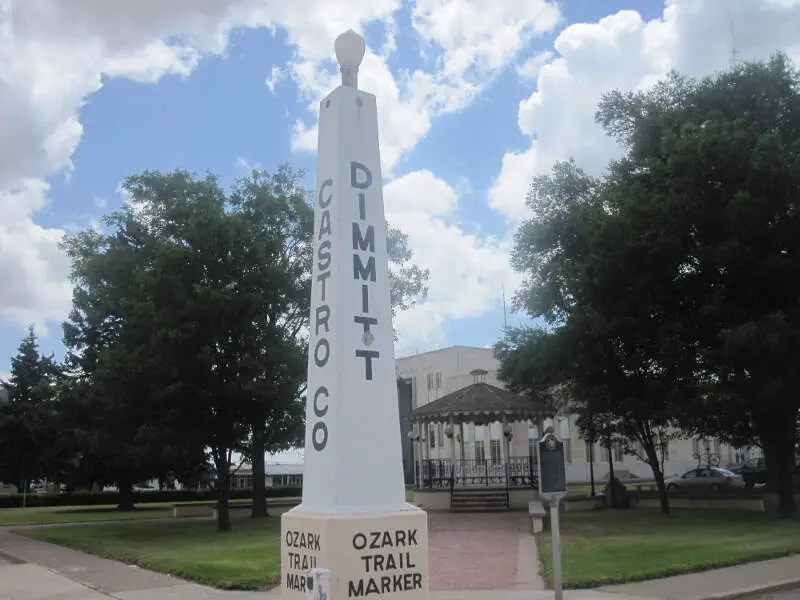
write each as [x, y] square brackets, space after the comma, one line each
[279, 222]
[671, 282]
[409, 282]
[194, 309]
[710, 174]
[114, 419]
[614, 342]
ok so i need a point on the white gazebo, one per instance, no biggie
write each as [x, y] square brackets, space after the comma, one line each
[439, 480]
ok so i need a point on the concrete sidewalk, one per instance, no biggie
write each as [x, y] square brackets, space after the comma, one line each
[50, 572]
[32, 582]
[35, 570]
[780, 573]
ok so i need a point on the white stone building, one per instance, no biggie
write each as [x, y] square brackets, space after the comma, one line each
[431, 375]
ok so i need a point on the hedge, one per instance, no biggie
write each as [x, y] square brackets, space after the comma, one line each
[97, 498]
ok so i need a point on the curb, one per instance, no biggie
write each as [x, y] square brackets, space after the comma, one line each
[11, 559]
[743, 593]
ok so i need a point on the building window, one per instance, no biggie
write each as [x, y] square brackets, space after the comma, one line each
[619, 453]
[702, 447]
[494, 448]
[616, 451]
[665, 450]
[568, 451]
[432, 436]
[533, 450]
[434, 381]
[640, 455]
[480, 452]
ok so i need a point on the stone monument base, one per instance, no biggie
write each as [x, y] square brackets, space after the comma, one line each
[378, 555]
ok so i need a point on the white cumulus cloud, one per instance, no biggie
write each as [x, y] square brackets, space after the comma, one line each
[624, 51]
[467, 272]
[55, 54]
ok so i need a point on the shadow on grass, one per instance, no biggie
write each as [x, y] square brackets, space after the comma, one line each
[614, 547]
[109, 510]
[247, 558]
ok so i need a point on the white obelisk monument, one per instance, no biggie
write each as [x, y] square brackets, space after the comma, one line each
[353, 520]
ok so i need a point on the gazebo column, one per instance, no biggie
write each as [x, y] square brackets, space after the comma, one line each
[423, 452]
[451, 428]
[506, 431]
[420, 442]
[506, 435]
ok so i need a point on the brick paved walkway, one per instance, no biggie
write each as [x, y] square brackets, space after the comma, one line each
[482, 551]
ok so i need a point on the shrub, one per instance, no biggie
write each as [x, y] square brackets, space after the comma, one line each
[97, 498]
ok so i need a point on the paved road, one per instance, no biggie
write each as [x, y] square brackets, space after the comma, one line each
[785, 595]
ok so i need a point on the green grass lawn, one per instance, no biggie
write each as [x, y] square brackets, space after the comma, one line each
[247, 558]
[580, 490]
[619, 546]
[42, 515]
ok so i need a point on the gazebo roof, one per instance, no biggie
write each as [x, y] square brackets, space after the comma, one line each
[479, 402]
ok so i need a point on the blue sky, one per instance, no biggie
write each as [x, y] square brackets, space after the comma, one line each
[476, 97]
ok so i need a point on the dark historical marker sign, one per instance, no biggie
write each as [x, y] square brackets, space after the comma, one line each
[552, 471]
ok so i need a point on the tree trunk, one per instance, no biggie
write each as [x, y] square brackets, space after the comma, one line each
[611, 486]
[223, 496]
[779, 448]
[658, 474]
[259, 473]
[784, 467]
[125, 499]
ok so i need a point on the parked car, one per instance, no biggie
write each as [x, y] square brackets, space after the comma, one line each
[754, 472]
[144, 488]
[705, 479]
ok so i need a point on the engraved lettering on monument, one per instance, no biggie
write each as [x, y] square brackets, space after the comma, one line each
[304, 549]
[392, 568]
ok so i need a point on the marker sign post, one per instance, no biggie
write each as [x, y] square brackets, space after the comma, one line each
[553, 488]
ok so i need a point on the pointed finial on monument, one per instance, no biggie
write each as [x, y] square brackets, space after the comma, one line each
[350, 48]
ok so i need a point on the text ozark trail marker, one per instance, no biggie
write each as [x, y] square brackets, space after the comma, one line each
[353, 521]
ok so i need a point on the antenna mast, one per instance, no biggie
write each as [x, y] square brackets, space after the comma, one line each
[505, 315]
[734, 53]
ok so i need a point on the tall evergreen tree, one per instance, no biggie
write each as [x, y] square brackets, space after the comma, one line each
[28, 436]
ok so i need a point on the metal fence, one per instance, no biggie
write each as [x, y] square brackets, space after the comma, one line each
[516, 472]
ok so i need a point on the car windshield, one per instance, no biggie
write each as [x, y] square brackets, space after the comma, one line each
[726, 472]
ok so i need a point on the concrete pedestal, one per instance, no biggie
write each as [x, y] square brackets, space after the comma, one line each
[375, 555]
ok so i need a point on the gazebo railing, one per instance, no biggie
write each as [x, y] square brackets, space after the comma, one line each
[516, 472]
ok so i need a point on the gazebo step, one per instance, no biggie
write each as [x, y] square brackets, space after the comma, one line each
[478, 500]
[480, 493]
